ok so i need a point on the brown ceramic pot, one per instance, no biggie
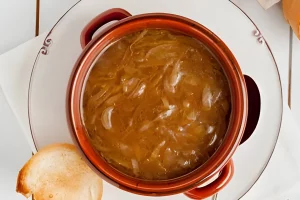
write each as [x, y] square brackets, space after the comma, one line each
[219, 164]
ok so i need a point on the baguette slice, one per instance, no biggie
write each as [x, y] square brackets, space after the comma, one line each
[291, 10]
[57, 172]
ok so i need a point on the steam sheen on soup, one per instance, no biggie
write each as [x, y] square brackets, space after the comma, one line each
[156, 104]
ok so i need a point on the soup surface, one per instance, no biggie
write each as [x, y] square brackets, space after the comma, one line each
[156, 104]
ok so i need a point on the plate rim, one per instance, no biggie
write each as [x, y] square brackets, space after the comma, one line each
[47, 42]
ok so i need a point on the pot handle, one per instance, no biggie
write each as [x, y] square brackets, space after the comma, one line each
[253, 108]
[103, 18]
[214, 187]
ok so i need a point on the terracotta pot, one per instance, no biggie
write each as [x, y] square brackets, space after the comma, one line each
[220, 164]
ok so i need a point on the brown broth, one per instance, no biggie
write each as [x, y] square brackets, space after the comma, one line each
[156, 104]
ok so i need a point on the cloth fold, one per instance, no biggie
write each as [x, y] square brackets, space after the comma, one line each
[266, 4]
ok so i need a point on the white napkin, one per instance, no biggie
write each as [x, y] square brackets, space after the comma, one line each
[280, 180]
[15, 69]
[266, 4]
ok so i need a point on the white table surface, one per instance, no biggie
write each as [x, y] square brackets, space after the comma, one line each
[11, 162]
[18, 20]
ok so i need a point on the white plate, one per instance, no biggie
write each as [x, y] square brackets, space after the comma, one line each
[55, 61]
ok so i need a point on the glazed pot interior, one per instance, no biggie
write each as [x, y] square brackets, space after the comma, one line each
[230, 67]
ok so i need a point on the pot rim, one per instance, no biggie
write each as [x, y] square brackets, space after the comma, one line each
[230, 66]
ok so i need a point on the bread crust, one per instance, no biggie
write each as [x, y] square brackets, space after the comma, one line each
[59, 172]
[291, 10]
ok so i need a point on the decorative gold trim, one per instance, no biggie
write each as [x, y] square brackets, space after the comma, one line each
[259, 36]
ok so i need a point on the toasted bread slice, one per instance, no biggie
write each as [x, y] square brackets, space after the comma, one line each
[291, 10]
[57, 172]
